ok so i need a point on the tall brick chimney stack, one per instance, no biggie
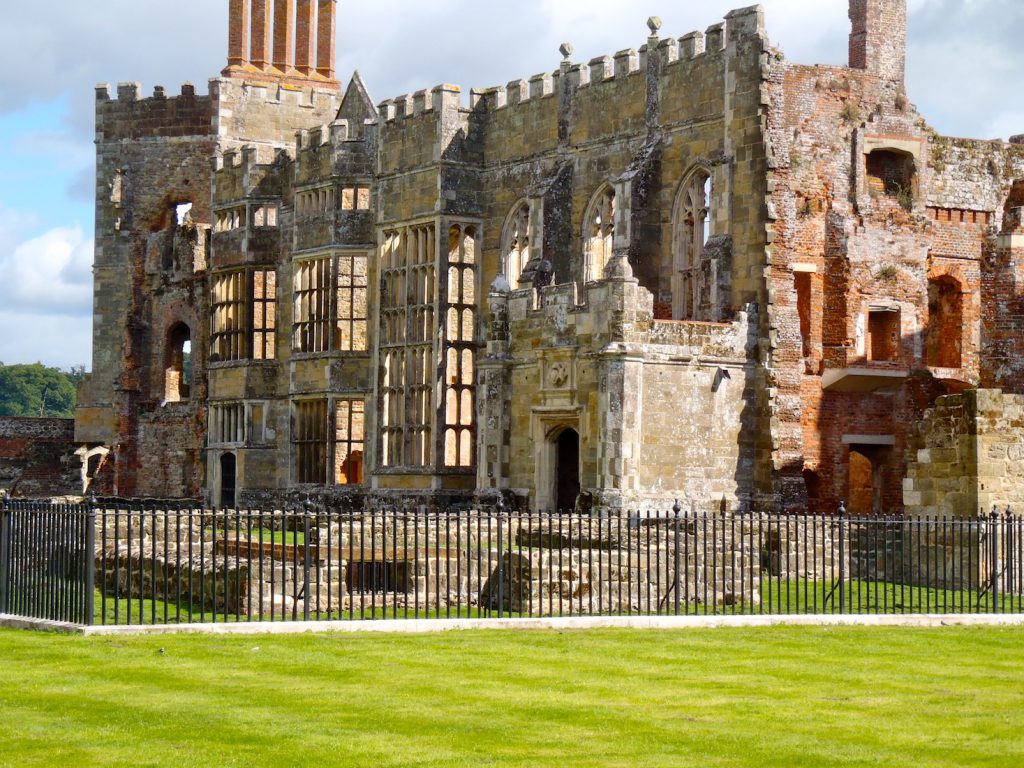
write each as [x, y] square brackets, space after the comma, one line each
[878, 40]
[284, 41]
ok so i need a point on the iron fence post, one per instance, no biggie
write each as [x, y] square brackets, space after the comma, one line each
[677, 510]
[842, 557]
[305, 563]
[994, 550]
[501, 566]
[5, 555]
[89, 562]
[1010, 541]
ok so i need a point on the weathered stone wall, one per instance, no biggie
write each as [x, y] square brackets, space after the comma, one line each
[849, 243]
[869, 265]
[37, 457]
[966, 456]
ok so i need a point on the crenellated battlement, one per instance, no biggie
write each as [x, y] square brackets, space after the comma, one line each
[437, 99]
[692, 50]
[126, 114]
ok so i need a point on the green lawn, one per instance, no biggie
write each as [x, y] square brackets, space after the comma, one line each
[777, 597]
[783, 697]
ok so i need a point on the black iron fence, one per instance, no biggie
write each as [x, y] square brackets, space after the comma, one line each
[133, 563]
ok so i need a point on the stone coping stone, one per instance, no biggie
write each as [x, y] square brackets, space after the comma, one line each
[423, 626]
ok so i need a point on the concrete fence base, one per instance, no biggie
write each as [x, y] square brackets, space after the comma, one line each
[423, 626]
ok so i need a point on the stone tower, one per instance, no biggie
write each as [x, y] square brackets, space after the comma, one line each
[878, 40]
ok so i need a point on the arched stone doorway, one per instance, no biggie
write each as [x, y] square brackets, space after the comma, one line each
[567, 469]
[228, 480]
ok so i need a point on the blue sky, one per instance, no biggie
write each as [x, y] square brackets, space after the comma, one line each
[964, 61]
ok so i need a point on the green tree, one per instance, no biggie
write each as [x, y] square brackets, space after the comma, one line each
[36, 390]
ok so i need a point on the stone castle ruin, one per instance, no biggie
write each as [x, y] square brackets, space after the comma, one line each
[691, 270]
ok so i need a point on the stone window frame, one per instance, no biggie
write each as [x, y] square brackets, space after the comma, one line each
[243, 319]
[318, 438]
[601, 230]
[516, 239]
[228, 316]
[407, 342]
[264, 314]
[349, 429]
[689, 240]
[464, 248]
[227, 425]
[330, 298]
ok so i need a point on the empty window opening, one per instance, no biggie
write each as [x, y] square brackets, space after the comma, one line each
[183, 213]
[351, 324]
[460, 348]
[706, 225]
[229, 219]
[265, 216]
[802, 283]
[228, 480]
[409, 318]
[312, 328]
[309, 437]
[691, 230]
[892, 173]
[228, 332]
[883, 334]
[264, 314]
[945, 323]
[349, 416]
[599, 234]
[355, 199]
[517, 244]
[328, 320]
[178, 364]
[314, 201]
[567, 469]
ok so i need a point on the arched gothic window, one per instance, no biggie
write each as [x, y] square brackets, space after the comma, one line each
[516, 244]
[598, 234]
[691, 231]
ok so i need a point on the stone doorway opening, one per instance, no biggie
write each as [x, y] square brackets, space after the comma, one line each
[228, 480]
[567, 469]
[866, 480]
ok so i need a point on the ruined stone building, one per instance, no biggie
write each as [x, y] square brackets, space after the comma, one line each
[689, 270]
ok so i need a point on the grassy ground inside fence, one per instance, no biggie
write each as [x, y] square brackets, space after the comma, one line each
[777, 597]
[782, 697]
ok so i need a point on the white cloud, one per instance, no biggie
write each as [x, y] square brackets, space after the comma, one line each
[49, 275]
[56, 340]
